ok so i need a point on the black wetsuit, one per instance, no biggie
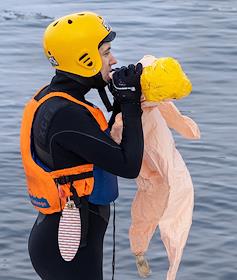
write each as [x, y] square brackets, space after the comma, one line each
[66, 135]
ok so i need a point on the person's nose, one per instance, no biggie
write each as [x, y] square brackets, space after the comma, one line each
[113, 60]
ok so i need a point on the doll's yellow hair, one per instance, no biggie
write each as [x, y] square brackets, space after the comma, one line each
[164, 79]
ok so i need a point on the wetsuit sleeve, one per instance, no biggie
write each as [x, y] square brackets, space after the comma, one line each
[80, 134]
[116, 110]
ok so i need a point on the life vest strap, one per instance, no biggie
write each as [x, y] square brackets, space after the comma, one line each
[63, 180]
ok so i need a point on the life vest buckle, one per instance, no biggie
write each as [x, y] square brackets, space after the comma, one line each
[63, 180]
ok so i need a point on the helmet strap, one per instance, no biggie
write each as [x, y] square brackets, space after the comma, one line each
[105, 99]
[92, 82]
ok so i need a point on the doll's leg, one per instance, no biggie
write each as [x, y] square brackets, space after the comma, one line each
[147, 208]
[174, 247]
[146, 211]
[174, 227]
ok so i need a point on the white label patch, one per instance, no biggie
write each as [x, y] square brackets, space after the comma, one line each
[106, 25]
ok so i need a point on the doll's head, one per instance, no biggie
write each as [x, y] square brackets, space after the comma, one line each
[163, 78]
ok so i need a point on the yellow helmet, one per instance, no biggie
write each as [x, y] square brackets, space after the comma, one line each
[164, 79]
[71, 43]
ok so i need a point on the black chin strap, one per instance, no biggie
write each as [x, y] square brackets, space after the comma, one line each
[105, 99]
[91, 82]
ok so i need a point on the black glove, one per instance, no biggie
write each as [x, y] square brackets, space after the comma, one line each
[125, 84]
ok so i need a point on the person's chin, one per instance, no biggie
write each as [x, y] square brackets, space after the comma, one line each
[106, 79]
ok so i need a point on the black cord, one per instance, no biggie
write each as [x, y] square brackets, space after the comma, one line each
[113, 261]
[105, 99]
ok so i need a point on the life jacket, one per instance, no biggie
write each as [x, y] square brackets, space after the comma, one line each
[47, 189]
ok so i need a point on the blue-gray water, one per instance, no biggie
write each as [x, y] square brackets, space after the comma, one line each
[202, 35]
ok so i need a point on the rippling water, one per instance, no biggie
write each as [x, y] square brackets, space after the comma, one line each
[202, 35]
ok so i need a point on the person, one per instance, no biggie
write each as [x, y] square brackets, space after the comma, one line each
[164, 196]
[69, 158]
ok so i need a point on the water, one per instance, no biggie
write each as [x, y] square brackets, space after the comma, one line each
[202, 35]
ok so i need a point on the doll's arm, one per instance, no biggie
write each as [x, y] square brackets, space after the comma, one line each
[175, 120]
[117, 129]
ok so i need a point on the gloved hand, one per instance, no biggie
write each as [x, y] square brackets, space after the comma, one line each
[125, 84]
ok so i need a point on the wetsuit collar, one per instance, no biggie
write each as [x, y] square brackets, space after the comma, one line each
[78, 86]
[96, 81]
[62, 82]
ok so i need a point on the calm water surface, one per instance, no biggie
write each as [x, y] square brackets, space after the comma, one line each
[202, 35]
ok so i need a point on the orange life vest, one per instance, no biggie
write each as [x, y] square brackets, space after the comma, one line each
[48, 190]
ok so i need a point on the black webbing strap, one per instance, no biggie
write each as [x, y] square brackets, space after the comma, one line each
[113, 261]
[82, 204]
[84, 212]
[105, 99]
[71, 178]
